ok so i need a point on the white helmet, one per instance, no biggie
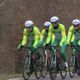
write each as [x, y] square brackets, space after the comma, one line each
[76, 22]
[28, 23]
[47, 23]
[54, 19]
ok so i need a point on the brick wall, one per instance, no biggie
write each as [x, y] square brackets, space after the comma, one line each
[13, 13]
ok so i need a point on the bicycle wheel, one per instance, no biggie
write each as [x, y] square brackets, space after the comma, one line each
[78, 69]
[45, 64]
[38, 64]
[63, 70]
[72, 66]
[77, 65]
[26, 70]
[53, 70]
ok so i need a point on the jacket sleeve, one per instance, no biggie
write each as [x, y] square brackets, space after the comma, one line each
[70, 37]
[49, 35]
[53, 38]
[42, 35]
[24, 39]
[79, 42]
[63, 32]
[36, 37]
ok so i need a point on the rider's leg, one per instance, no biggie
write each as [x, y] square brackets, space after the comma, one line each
[63, 54]
[77, 50]
[40, 43]
[55, 43]
[30, 45]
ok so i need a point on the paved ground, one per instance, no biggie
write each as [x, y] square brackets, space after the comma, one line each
[19, 77]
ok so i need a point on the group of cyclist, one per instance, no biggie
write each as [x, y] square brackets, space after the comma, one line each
[54, 34]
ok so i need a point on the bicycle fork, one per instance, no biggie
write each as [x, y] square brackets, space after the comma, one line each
[29, 55]
[53, 60]
[74, 57]
[46, 55]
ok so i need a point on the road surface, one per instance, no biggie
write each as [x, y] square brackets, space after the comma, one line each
[48, 78]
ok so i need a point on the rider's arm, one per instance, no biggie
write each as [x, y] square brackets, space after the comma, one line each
[24, 39]
[70, 36]
[36, 37]
[53, 38]
[79, 42]
[49, 36]
[63, 32]
[42, 35]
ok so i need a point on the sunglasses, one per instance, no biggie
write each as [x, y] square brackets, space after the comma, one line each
[76, 26]
[30, 27]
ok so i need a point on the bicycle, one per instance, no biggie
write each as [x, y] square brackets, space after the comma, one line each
[46, 61]
[74, 63]
[57, 65]
[32, 63]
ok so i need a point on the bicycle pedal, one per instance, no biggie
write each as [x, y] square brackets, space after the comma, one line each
[54, 63]
[28, 73]
[43, 61]
[39, 60]
[51, 66]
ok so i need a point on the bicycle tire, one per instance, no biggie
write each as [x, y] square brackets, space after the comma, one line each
[38, 64]
[63, 71]
[44, 64]
[26, 69]
[53, 70]
[72, 66]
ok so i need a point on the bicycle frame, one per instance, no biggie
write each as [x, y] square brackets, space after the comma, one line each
[46, 57]
[55, 54]
[74, 56]
[53, 60]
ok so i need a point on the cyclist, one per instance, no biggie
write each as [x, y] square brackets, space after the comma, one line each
[58, 37]
[45, 39]
[74, 32]
[74, 36]
[33, 34]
